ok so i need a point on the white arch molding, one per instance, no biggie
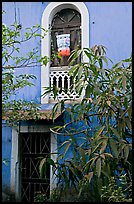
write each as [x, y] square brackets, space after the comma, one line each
[48, 14]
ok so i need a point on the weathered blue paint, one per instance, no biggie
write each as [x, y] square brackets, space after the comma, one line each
[110, 25]
[6, 155]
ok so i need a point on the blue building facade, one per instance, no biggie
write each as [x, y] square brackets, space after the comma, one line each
[108, 24]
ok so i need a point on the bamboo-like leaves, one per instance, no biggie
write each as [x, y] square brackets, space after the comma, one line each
[110, 107]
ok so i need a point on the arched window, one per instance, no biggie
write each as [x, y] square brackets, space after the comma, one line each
[65, 37]
[67, 21]
[70, 19]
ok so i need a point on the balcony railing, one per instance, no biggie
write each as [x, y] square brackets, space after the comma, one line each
[63, 82]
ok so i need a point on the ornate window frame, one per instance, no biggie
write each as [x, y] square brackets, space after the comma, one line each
[48, 14]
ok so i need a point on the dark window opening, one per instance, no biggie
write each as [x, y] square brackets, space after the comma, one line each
[66, 84]
[60, 84]
[67, 21]
[33, 147]
[54, 81]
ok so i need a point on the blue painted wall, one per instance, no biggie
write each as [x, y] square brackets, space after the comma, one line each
[110, 25]
[30, 14]
[6, 155]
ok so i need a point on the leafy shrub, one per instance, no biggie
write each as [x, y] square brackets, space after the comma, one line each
[115, 192]
[99, 128]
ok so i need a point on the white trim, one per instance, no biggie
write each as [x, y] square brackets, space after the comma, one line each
[53, 178]
[49, 12]
[14, 183]
[35, 128]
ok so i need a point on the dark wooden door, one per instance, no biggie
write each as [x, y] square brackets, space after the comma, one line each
[33, 147]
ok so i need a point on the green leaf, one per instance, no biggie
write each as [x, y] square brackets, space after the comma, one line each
[104, 59]
[88, 91]
[128, 123]
[66, 148]
[75, 72]
[130, 112]
[96, 147]
[126, 152]
[65, 142]
[89, 53]
[82, 152]
[27, 35]
[115, 132]
[36, 34]
[98, 166]
[51, 162]
[106, 170]
[80, 71]
[124, 82]
[114, 147]
[42, 167]
[92, 160]
[108, 154]
[18, 61]
[99, 132]
[103, 147]
[117, 65]
[127, 60]
[100, 63]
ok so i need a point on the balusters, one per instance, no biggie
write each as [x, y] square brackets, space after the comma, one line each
[61, 80]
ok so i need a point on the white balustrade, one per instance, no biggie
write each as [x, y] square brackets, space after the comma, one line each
[62, 81]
